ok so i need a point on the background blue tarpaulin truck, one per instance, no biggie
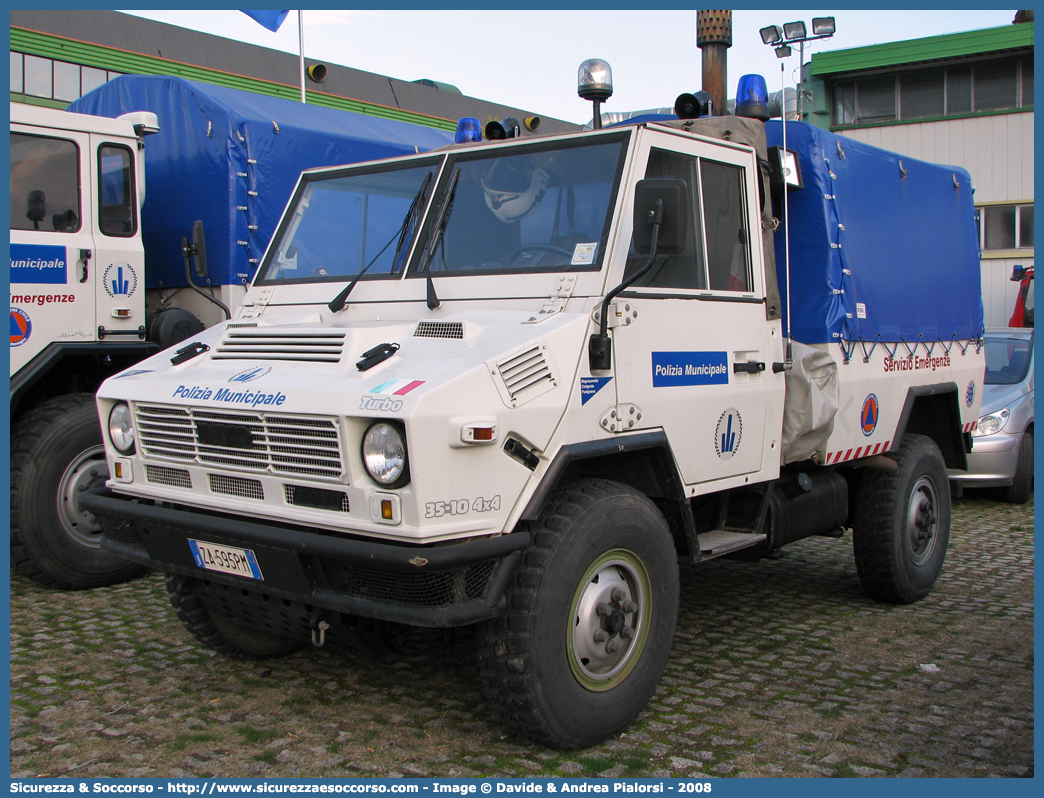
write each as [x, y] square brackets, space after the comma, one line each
[232, 159]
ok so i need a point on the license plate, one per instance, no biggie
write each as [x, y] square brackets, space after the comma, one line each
[225, 559]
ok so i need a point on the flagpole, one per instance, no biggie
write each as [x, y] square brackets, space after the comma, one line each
[300, 35]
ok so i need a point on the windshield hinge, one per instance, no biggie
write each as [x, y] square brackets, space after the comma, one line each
[253, 310]
[556, 301]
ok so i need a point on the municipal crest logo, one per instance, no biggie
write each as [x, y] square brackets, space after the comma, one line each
[969, 394]
[119, 280]
[728, 433]
[249, 375]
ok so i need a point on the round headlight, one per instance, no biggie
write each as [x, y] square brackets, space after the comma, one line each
[121, 428]
[992, 423]
[384, 454]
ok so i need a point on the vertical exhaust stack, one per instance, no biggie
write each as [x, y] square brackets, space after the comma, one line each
[714, 38]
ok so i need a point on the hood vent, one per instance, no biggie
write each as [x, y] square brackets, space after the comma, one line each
[525, 375]
[313, 345]
[439, 329]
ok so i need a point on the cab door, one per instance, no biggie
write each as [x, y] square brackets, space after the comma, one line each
[52, 241]
[119, 263]
[696, 357]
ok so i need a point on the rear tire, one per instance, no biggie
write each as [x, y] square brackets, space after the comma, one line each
[901, 523]
[590, 618]
[56, 454]
[1022, 483]
[217, 631]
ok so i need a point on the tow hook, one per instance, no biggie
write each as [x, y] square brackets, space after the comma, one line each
[319, 628]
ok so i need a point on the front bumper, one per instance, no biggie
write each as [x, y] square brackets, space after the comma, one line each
[992, 461]
[435, 586]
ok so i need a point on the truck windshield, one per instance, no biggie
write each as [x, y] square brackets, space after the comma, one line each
[528, 209]
[348, 225]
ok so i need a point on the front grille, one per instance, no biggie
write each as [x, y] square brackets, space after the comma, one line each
[439, 329]
[279, 444]
[172, 477]
[314, 345]
[236, 486]
[420, 588]
[316, 498]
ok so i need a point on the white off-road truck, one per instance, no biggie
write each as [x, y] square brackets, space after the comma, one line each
[516, 383]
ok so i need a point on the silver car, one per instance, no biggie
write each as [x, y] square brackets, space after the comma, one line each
[1002, 443]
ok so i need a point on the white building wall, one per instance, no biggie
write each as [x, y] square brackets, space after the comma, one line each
[998, 153]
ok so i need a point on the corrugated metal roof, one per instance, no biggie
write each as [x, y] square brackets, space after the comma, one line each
[245, 66]
[931, 48]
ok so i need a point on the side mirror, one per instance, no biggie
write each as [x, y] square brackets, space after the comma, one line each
[199, 247]
[672, 215]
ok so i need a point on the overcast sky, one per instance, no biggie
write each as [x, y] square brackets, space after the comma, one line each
[529, 59]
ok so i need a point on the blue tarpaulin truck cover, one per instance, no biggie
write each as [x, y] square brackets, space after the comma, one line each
[883, 248]
[232, 159]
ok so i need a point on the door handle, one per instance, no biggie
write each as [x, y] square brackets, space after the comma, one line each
[85, 255]
[751, 367]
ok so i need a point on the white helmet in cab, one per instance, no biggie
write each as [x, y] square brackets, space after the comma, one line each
[507, 195]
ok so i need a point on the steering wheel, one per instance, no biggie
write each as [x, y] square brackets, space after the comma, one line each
[527, 248]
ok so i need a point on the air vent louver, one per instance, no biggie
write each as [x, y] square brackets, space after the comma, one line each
[439, 329]
[526, 374]
[314, 345]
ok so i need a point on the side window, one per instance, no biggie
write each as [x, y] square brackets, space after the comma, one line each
[116, 205]
[686, 269]
[45, 184]
[725, 220]
[717, 251]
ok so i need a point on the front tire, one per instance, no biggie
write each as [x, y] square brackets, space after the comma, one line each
[216, 630]
[590, 618]
[901, 523]
[57, 454]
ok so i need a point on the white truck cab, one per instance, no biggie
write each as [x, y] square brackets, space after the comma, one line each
[514, 383]
[77, 316]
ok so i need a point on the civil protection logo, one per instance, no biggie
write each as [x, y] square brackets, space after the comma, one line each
[119, 280]
[21, 327]
[249, 375]
[728, 433]
[869, 414]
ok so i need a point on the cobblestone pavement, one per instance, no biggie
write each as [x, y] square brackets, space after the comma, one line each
[779, 668]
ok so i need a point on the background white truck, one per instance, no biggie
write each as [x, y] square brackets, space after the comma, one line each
[516, 383]
[98, 272]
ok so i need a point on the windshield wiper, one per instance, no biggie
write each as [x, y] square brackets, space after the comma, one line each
[436, 234]
[338, 302]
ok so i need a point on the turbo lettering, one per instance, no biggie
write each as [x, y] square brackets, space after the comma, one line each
[380, 404]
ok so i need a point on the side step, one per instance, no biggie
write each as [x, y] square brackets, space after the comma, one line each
[719, 541]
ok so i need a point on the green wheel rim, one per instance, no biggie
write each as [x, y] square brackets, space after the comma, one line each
[609, 620]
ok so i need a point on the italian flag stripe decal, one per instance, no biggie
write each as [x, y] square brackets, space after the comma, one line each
[396, 387]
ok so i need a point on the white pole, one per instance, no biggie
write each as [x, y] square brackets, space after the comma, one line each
[300, 36]
[789, 359]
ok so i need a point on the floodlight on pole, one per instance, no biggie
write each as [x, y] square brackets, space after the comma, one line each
[780, 38]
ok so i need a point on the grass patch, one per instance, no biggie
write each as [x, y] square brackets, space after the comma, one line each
[265, 756]
[596, 764]
[180, 742]
[251, 734]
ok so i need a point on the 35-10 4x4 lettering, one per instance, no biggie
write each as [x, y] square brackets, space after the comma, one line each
[461, 507]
